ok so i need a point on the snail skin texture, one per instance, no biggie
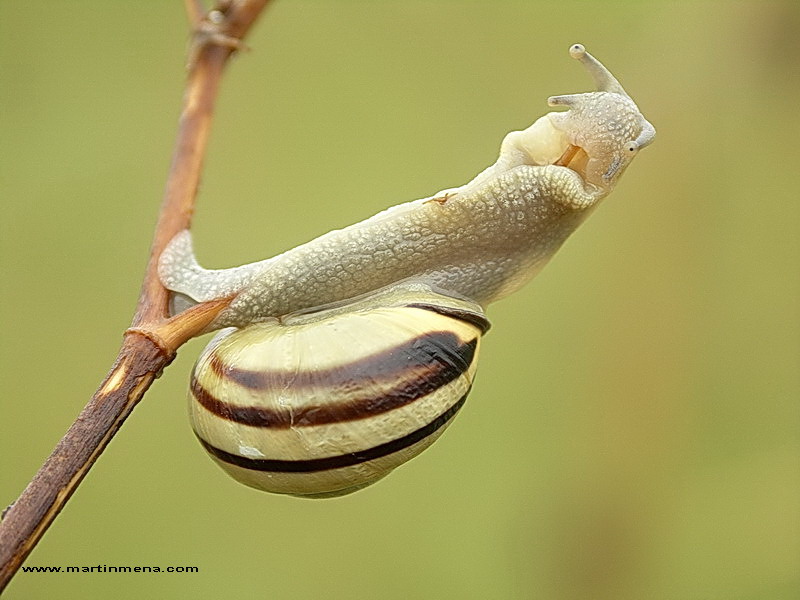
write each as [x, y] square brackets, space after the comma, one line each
[348, 355]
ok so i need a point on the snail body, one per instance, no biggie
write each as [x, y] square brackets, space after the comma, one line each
[307, 321]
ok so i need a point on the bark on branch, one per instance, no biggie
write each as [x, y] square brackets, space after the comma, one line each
[151, 342]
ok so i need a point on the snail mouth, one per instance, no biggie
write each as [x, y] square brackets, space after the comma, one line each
[575, 158]
[545, 143]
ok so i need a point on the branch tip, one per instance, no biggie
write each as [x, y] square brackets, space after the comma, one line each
[194, 12]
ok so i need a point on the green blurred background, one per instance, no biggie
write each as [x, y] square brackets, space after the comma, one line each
[634, 431]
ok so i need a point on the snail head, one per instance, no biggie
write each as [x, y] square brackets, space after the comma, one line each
[604, 130]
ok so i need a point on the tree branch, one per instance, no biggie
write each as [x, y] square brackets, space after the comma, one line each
[151, 342]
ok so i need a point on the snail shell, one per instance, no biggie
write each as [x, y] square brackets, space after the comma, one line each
[324, 404]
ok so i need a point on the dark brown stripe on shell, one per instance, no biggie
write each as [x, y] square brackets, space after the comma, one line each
[390, 364]
[342, 460]
[420, 368]
[473, 318]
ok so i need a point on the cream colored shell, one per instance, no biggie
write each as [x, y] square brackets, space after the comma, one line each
[324, 404]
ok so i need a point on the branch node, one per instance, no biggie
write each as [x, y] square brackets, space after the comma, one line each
[155, 339]
[211, 30]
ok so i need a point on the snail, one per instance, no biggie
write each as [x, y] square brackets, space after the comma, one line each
[348, 355]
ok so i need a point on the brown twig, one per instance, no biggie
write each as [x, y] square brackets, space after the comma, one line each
[151, 342]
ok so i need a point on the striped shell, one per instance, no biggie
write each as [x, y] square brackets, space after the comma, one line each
[325, 404]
